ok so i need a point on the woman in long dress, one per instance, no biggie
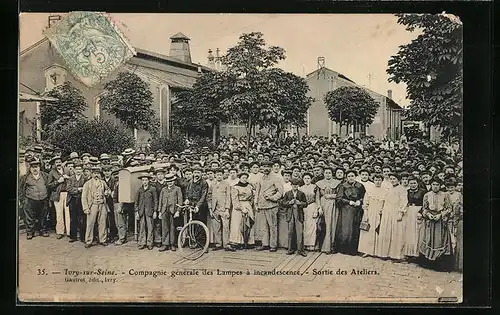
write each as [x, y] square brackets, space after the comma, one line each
[242, 198]
[310, 212]
[350, 194]
[372, 205]
[391, 236]
[435, 242]
[327, 192]
[456, 224]
[412, 219]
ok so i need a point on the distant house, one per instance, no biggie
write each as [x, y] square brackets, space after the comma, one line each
[41, 69]
[386, 124]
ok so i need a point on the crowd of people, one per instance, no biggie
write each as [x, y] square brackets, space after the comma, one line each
[397, 200]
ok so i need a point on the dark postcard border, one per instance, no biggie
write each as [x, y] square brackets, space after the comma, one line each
[478, 100]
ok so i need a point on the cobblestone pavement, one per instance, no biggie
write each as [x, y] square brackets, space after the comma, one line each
[47, 269]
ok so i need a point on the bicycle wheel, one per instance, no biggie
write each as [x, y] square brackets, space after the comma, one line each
[193, 240]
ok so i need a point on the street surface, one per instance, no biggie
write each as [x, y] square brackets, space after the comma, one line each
[54, 270]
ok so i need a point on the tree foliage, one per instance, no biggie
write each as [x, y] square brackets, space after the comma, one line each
[69, 107]
[250, 91]
[348, 105]
[259, 94]
[199, 109]
[94, 136]
[129, 99]
[174, 143]
[431, 66]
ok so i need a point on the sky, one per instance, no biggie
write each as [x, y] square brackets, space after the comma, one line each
[356, 45]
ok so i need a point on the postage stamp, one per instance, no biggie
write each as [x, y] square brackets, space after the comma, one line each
[91, 45]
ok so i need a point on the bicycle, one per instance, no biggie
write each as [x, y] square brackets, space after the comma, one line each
[193, 236]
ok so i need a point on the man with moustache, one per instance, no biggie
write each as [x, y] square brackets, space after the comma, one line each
[196, 195]
[111, 182]
[33, 194]
[219, 210]
[78, 220]
[159, 184]
[268, 192]
[94, 206]
[58, 195]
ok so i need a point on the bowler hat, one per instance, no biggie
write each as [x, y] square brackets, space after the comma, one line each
[143, 175]
[73, 155]
[295, 181]
[85, 154]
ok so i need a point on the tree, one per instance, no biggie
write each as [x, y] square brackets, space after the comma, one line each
[130, 100]
[249, 99]
[288, 92]
[199, 109]
[69, 107]
[94, 136]
[431, 67]
[349, 105]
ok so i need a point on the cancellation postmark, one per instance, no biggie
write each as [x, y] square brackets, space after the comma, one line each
[90, 44]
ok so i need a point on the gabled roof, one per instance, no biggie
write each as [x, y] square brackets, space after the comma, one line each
[389, 101]
[330, 70]
[179, 36]
[143, 54]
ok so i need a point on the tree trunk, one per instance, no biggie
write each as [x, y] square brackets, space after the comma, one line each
[249, 131]
[278, 134]
[298, 135]
[214, 134]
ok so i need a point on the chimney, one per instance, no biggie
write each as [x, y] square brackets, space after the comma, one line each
[179, 47]
[321, 62]
[211, 62]
[218, 64]
[389, 94]
[53, 19]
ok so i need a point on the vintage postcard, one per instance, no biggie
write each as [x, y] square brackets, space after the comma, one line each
[240, 158]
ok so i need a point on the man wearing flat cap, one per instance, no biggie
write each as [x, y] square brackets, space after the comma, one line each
[294, 201]
[94, 205]
[146, 205]
[57, 181]
[196, 195]
[78, 219]
[33, 195]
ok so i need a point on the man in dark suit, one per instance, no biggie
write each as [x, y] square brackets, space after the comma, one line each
[111, 182]
[295, 201]
[146, 204]
[78, 219]
[33, 194]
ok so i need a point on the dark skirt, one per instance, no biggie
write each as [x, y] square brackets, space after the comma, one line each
[347, 233]
[435, 240]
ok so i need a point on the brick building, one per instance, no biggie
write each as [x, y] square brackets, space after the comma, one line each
[41, 69]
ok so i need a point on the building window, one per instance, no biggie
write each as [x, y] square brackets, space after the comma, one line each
[97, 107]
[55, 75]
